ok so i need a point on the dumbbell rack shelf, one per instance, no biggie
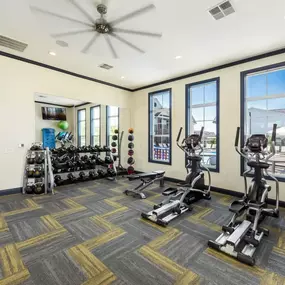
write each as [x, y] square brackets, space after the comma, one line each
[45, 174]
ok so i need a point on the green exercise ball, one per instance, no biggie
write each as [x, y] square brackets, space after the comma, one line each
[63, 125]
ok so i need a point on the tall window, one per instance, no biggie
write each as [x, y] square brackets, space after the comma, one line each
[112, 122]
[95, 125]
[202, 101]
[160, 126]
[263, 104]
[81, 127]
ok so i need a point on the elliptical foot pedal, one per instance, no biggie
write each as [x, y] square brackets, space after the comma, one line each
[228, 229]
[214, 245]
[237, 207]
[245, 259]
[251, 240]
[169, 191]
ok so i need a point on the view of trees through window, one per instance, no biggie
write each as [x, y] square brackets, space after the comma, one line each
[95, 122]
[81, 125]
[202, 112]
[160, 126]
[112, 122]
[264, 106]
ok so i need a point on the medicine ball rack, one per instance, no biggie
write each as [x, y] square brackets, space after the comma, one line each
[69, 161]
[38, 176]
[116, 150]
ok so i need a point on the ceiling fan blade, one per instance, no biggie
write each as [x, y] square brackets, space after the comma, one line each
[60, 16]
[72, 33]
[90, 43]
[126, 42]
[111, 46]
[132, 14]
[78, 7]
[140, 33]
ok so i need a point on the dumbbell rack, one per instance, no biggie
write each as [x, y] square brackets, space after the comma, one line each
[89, 169]
[47, 176]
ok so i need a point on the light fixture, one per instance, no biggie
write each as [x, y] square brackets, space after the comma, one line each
[122, 77]
[178, 57]
[52, 53]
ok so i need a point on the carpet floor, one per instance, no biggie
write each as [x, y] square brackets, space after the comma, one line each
[91, 233]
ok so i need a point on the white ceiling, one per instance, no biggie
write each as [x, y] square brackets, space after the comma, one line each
[188, 30]
[56, 100]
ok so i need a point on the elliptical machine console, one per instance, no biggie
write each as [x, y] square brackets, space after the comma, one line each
[243, 233]
[178, 200]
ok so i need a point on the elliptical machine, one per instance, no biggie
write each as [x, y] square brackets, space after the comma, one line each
[179, 199]
[240, 238]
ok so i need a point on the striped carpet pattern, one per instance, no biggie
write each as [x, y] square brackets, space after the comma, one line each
[91, 233]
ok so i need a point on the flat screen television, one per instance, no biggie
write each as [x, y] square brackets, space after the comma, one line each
[53, 113]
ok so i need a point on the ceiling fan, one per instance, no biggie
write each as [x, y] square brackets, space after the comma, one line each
[101, 27]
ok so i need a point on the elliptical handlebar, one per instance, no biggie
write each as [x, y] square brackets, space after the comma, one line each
[179, 134]
[201, 134]
[273, 139]
[237, 136]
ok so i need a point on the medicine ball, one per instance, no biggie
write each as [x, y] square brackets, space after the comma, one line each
[131, 170]
[114, 150]
[114, 137]
[116, 131]
[131, 130]
[113, 144]
[130, 138]
[40, 159]
[30, 173]
[131, 145]
[131, 160]
[130, 152]
[29, 189]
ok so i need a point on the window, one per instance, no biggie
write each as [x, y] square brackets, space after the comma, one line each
[160, 127]
[95, 125]
[263, 104]
[202, 110]
[81, 127]
[112, 122]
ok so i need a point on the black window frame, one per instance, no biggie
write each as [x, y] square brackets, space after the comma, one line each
[91, 123]
[150, 159]
[78, 140]
[243, 76]
[187, 103]
[107, 123]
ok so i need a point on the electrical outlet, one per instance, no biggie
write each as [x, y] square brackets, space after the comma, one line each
[21, 145]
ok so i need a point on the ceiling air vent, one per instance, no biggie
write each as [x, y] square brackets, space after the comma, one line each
[106, 66]
[227, 8]
[216, 13]
[12, 44]
[222, 10]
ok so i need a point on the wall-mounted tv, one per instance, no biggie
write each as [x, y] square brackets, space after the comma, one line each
[53, 113]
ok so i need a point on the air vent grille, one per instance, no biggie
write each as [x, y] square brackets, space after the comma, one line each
[12, 44]
[106, 66]
[221, 10]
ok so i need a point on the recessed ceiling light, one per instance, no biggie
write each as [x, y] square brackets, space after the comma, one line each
[122, 77]
[178, 57]
[41, 96]
[52, 53]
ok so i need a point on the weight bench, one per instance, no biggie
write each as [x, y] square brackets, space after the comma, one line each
[146, 180]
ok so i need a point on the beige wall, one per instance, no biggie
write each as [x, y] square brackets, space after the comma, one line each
[19, 82]
[41, 124]
[229, 176]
